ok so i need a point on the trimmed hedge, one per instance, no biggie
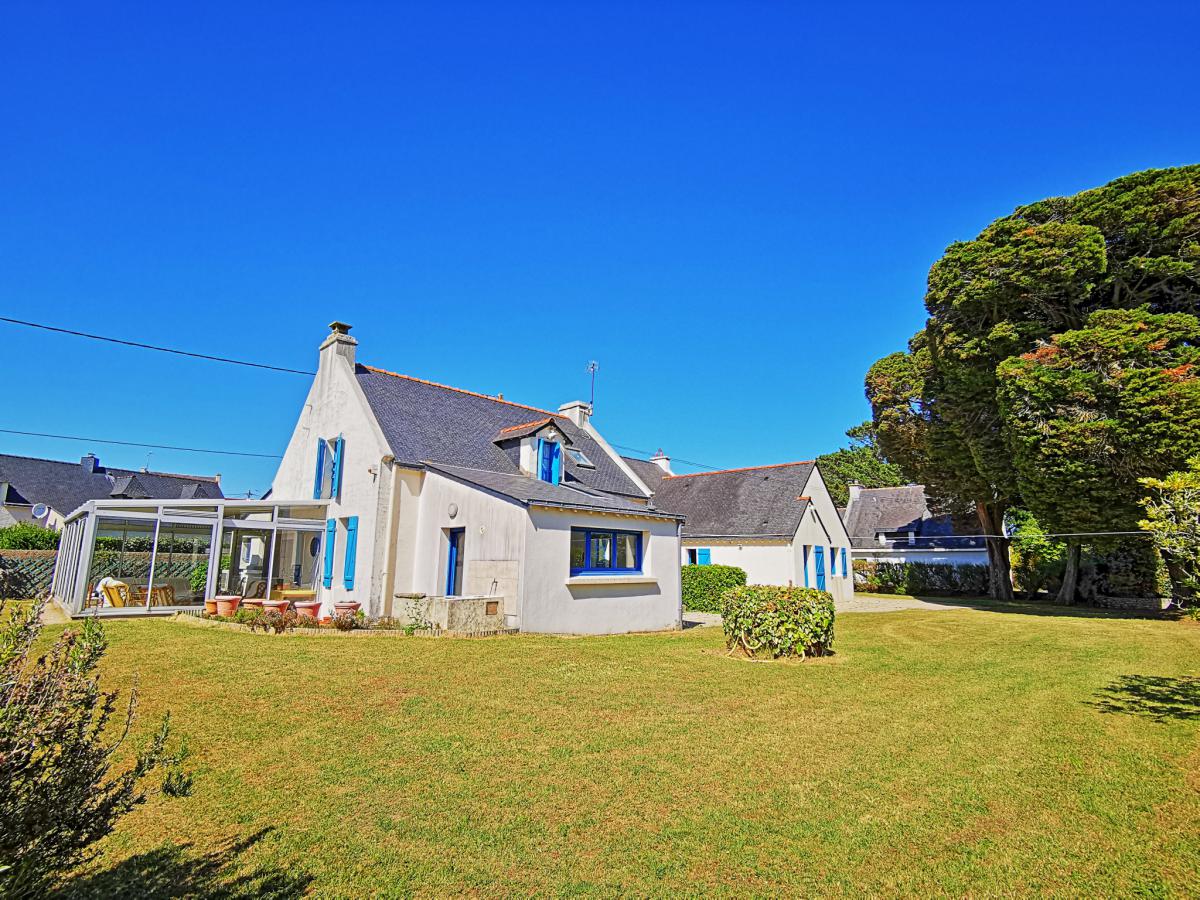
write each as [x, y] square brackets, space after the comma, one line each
[920, 578]
[28, 536]
[778, 621]
[704, 585]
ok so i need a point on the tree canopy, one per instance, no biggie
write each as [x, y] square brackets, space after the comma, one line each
[1041, 271]
[860, 462]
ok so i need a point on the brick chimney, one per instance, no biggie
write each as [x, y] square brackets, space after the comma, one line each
[663, 461]
[337, 345]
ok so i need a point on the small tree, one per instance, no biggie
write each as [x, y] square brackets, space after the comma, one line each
[57, 797]
[1173, 519]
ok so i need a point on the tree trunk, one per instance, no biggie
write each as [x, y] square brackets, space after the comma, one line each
[1070, 583]
[991, 520]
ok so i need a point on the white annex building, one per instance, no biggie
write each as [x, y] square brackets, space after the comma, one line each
[777, 522]
[895, 525]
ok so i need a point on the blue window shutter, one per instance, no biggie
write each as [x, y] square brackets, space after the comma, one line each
[540, 465]
[320, 468]
[555, 463]
[832, 560]
[330, 539]
[704, 556]
[335, 490]
[351, 552]
[845, 571]
[819, 566]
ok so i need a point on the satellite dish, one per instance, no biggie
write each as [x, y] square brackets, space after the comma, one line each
[40, 510]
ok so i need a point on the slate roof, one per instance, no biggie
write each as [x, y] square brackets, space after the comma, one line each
[65, 486]
[758, 502]
[532, 492]
[426, 422]
[904, 509]
[516, 432]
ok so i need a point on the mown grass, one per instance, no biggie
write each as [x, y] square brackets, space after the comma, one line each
[955, 752]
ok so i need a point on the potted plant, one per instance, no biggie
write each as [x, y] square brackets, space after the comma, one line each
[307, 609]
[273, 605]
[210, 606]
[227, 604]
[347, 607]
[253, 603]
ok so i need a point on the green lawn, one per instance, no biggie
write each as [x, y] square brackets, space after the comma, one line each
[960, 752]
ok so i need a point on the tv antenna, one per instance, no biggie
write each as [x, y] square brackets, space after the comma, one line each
[592, 368]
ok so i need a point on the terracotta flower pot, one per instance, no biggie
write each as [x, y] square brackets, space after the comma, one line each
[253, 603]
[351, 607]
[227, 604]
[307, 609]
[274, 605]
[210, 607]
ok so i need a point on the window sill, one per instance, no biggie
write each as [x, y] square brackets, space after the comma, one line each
[630, 578]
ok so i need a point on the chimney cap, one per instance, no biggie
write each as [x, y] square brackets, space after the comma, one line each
[659, 455]
[339, 327]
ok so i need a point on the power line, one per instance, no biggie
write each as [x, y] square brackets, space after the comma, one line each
[686, 462]
[124, 343]
[91, 440]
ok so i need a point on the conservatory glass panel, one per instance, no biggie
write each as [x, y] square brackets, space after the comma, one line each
[119, 576]
[181, 564]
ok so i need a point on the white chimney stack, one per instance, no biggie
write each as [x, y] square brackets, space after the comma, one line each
[855, 490]
[663, 461]
[577, 411]
[338, 344]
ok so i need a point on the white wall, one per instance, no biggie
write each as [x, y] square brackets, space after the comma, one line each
[822, 526]
[763, 562]
[916, 554]
[554, 602]
[336, 406]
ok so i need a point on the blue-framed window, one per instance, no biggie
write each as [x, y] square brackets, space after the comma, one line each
[845, 571]
[604, 551]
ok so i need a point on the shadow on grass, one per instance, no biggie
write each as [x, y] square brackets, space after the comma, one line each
[1158, 697]
[177, 871]
[1036, 607]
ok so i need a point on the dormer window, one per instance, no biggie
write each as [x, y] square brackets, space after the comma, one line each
[549, 457]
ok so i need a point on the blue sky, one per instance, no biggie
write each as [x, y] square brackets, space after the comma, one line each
[732, 207]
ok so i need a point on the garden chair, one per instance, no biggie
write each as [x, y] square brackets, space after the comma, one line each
[117, 594]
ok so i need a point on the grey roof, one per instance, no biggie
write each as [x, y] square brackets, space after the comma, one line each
[65, 486]
[532, 492]
[650, 473]
[516, 432]
[904, 509]
[432, 423]
[765, 501]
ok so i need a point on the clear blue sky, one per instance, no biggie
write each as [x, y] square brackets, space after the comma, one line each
[731, 206]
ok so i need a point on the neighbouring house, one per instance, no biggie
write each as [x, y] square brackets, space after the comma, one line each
[894, 524]
[46, 491]
[776, 522]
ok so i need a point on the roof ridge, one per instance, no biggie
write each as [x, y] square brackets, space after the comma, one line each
[527, 424]
[449, 387]
[108, 469]
[803, 462]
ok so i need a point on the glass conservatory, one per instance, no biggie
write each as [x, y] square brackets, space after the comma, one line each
[150, 556]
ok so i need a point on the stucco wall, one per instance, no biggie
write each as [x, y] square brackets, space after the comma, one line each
[822, 526]
[493, 540]
[763, 563]
[554, 602]
[336, 406]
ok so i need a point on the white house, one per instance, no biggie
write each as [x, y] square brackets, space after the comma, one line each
[438, 491]
[776, 522]
[895, 525]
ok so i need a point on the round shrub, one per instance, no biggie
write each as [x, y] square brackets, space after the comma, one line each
[703, 586]
[767, 620]
[28, 536]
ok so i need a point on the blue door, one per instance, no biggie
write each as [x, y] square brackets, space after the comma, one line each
[819, 565]
[454, 561]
